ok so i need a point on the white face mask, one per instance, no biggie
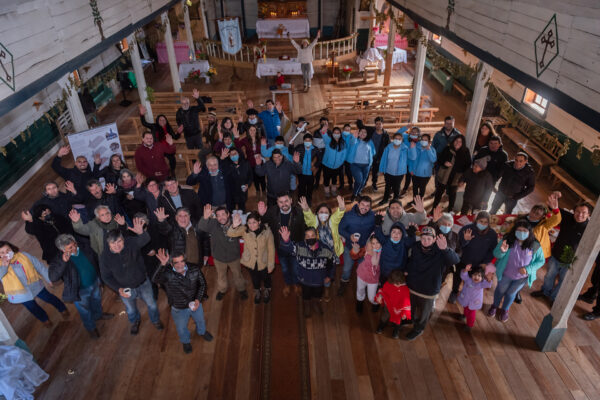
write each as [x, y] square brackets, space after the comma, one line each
[424, 143]
[346, 132]
[323, 217]
[397, 142]
[336, 136]
[10, 255]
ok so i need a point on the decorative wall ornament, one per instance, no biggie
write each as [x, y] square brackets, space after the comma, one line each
[231, 39]
[7, 67]
[97, 17]
[546, 46]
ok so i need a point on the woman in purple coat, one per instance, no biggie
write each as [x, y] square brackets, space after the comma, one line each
[471, 295]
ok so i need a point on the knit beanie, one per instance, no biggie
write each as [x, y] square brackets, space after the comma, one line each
[482, 162]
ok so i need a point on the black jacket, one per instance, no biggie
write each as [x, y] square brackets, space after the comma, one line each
[296, 224]
[205, 190]
[177, 236]
[278, 177]
[478, 189]
[181, 289]
[189, 199]
[496, 162]
[125, 269]
[239, 174]
[46, 233]
[426, 268]
[67, 272]
[516, 184]
[110, 200]
[461, 161]
[59, 205]
[315, 154]
[109, 174]
[189, 118]
[79, 179]
[570, 234]
[157, 131]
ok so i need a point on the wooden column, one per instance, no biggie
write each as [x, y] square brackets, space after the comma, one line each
[74, 106]
[477, 103]
[391, 46]
[371, 19]
[554, 325]
[188, 31]
[202, 13]
[418, 78]
[139, 76]
[171, 52]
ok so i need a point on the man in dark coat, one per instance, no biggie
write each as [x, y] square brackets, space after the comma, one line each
[79, 175]
[380, 139]
[215, 188]
[240, 177]
[75, 264]
[187, 120]
[46, 226]
[183, 236]
[174, 197]
[518, 181]
[278, 171]
[498, 157]
[60, 203]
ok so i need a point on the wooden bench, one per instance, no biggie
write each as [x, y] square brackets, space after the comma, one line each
[398, 115]
[560, 175]
[533, 150]
[463, 91]
[442, 77]
[374, 70]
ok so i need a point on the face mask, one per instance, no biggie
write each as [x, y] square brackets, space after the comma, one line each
[445, 229]
[214, 173]
[397, 142]
[532, 220]
[323, 217]
[230, 145]
[48, 218]
[77, 254]
[481, 227]
[346, 132]
[311, 242]
[414, 137]
[10, 255]
[377, 250]
[307, 145]
[235, 158]
[520, 235]
[336, 136]
[252, 120]
[395, 241]
[424, 143]
[279, 146]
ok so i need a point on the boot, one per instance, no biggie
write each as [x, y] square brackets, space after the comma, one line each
[326, 294]
[342, 288]
[327, 191]
[257, 296]
[380, 328]
[359, 306]
[518, 298]
[396, 333]
[266, 295]
[306, 307]
[316, 305]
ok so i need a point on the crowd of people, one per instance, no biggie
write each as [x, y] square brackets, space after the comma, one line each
[139, 233]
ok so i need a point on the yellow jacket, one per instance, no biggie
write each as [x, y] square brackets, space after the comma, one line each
[258, 250]
[543, 227]
[310, 219]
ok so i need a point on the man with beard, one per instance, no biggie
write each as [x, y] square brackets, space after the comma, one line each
[79, 175]
[211, 132]
[187, 119]
[396, 213]
[99, 197]
[97, 228]
[60, 203]
[150, 156]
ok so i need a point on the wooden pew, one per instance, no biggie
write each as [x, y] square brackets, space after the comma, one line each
[559, 175]
[389, 115]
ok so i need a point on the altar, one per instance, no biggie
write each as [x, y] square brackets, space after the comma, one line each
[274, 65]
[282, 28]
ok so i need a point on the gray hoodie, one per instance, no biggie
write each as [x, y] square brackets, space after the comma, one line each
[405, 219]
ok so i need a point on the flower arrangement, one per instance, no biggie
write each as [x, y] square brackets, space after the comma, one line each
[196, 76]
[212, 71]
[347, 71]
[260, 51]
[568, 257]
[200, 55]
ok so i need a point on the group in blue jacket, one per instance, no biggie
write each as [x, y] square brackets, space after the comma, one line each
[393, 166]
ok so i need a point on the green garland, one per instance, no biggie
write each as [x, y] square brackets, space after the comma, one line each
[97, 17]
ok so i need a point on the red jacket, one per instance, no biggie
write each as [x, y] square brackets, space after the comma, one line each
[151, 161]
[397, 301]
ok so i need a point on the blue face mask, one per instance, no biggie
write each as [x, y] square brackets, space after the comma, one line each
[346, 132]
[230, 145]
[279, 146]
[521, 235]
[481, 227]
[377, 250]
[215, 173]
[397, 142]
[395, 241]
[77, 254]
[445, 229]
[252, 120]
[235, 158]
[307, 145]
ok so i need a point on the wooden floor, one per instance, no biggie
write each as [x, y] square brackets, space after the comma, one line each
[270, 351]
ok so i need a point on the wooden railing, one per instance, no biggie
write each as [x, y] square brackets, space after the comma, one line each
[341, 46]
[214, 50]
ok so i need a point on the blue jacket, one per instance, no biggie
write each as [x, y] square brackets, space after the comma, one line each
[267, 152]
[334, 158]
[353, 145]
[402, 160]
[353, 222]
[348, 139]
[421, 161]
[480, 249]
[313, 265]
[394, 255]
[271, 121]
[537, 261]
[306, 157]
[440, 140]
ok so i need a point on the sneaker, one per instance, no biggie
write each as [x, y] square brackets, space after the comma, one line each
[452, 297]
[359, 307]
[243, 295]
[257, 296]
[492, 311]
[412, 335]
[286, 291]
[135, 328]
[460, 317]
[107, 316]
[94, 334]
[342, 288]
[406, 322]
[518, 298]
[538, 293]
[220, 296]
[380, 328]
[396, 333]
[187, 348]
[503, 315]
[207, 336]
[158, 325]
[266, 295]
[585, 298]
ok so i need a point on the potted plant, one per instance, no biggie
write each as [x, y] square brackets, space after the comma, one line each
[347, 71]
[196, 76]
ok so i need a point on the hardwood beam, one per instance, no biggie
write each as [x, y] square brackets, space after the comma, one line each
[140, 79]
[389, 55]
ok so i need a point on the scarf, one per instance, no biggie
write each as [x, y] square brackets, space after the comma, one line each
[11, 282]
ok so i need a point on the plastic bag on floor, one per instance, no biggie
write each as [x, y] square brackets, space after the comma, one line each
[19, 373]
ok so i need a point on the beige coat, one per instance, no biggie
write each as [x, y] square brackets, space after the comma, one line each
[257, 250]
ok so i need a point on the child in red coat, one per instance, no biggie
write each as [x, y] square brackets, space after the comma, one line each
[396, 297]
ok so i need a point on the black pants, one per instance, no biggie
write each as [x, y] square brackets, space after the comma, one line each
[320, 167]
[374, 173]
[392, 185]
[385, 315]
[501, 198]
[348, 174]
[312, 292]
[456, 279]
[330, 176]
[419, 185]
[260, 277]
[305, 187]
[172, 162]
[469, 206]
[194, 142]
[439, 191]
[260, 182]
[407, 180]
[239, 201]
[420, 310]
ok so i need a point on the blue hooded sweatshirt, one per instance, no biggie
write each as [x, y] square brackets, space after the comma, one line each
[334, 158]
[402, 159]
[421, 161]
[354, 222]
[394, 255]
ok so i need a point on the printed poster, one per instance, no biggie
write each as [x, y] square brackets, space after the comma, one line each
[103, 140]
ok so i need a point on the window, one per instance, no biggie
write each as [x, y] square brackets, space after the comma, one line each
[437, 39]
[535, 101]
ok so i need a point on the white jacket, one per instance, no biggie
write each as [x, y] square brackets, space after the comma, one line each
[305, 56]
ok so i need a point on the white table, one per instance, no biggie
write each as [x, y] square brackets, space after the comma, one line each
[186, 68]
[274, 65]
[399, 55]
[296, 27]
[371, 56]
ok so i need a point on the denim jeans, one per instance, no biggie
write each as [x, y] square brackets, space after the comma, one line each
[507, 289]
[554, 268]
[144, 291]
[182, 317]
[90, 306]
[348, 264]
[289, 267]
[49, 298]
[360, 172]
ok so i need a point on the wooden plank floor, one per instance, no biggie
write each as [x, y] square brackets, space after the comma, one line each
[269, 351]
